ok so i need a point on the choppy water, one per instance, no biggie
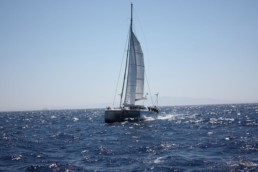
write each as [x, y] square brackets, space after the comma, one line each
[184, 138]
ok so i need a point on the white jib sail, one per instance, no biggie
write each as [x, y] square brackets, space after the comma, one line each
[135, 77]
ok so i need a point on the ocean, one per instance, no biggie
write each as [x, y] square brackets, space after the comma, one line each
[181, 138]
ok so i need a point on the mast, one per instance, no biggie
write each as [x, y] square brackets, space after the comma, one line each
[127, 56]
[124, 75]
[131, 27]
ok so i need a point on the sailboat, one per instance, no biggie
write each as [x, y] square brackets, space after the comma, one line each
[134, 78]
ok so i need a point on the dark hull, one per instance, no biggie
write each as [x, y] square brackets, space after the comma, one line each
[122, 115]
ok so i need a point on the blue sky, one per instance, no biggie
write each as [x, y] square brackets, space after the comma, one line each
[67, 54]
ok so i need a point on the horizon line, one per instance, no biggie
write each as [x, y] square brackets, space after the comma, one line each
[91, 108]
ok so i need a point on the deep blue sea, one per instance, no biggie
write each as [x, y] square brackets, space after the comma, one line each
[182, 138]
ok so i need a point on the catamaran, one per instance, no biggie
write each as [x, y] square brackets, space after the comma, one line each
[134, 74]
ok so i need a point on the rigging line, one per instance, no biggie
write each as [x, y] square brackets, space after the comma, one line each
[120, 69]
[149, 87]
[126, 66]
[138, 20]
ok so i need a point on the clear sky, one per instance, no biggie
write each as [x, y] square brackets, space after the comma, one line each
[67, 54]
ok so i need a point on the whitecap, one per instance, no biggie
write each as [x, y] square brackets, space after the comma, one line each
[148, 118]
[17, 157]
[52, 165]
[166, 117]
[84, 151]
[213, 120]
[75, 119]
[248, 164]
[166, 146]
[158, 160]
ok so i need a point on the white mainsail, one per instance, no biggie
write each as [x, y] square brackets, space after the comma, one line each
[135, 76]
